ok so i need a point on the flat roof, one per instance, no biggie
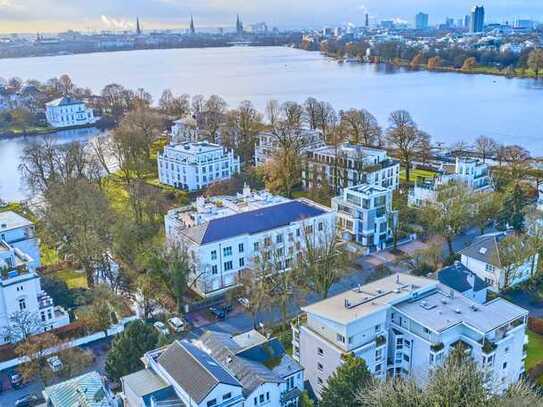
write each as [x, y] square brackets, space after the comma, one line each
[369, 298]
[10, 220]
[439, 312]
[144, 382]
[367, 189]
[194, 148]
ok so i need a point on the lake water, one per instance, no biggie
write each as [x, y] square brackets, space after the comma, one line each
[449, 106]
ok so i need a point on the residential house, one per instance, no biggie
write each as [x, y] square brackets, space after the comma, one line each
[403, 325]
[196, 165]
[181, 375]
[466, 282]
[87, 390]
[20, 233]
[268, 143]
[349, 165]
[222, 243]
[483, 258]
[365, 215]
[68, 112]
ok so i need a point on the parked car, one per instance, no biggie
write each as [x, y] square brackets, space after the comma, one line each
[55, 363]
[227, 308]
[30, 400]
[243, 301]
[176, 324]
[218, 312]
[16, 380]
[161, 328]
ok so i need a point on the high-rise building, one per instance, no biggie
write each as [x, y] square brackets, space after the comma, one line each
[421, 21]
[138, 26]
[192, 29]
[467, 21]
[367, 20]
[239, 25]
[477, 19]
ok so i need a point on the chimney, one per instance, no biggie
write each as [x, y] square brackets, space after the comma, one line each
[471, 280]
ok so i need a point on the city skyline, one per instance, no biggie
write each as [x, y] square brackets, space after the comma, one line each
[27, 16]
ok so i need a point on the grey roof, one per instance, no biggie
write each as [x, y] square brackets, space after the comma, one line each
[252, 222]
[64, 101]
[194, 370]
[439, 312]
[266, 362]
[12, 220]
[458, 278]
[144, 382]
[485, 248]
[87, 390]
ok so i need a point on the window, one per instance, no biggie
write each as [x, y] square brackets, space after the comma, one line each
[319, 380]
[267, 395]
[214, 269]
[212, 403]
[279, 238]
[504, 365]
[321, 227]
[256, 246]
[43, 316]
[489, 268]
[320, 352]
[228, 265]
[22, 304]
[240, 247]
[256, 401]
[267, 241]
[227, 396]
[213, 254]
[242, 262]
[340, 338]
[377, 328]
[261, 398]
[309, 229]
[227, 251]
[320, 366]
[406, 358]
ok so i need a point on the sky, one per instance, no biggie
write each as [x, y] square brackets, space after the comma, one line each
[30, 16]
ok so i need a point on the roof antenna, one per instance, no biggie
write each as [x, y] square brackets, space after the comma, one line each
[397, 277]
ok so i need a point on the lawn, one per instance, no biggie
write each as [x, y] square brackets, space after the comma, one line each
[72, 278]
[417, 173]
[534, 352]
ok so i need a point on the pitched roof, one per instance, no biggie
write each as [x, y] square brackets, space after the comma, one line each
[458, 278]
[485, 248]
[252, 222]
[87, 390]
[11, 220]
[194, 370]
[64, 101]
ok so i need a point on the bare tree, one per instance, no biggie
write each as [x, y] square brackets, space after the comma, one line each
[214, 116]
[311, 106]
[252, 286]
[486, 147]
[362, 127]
[22, 324]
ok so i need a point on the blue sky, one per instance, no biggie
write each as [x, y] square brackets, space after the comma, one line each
[59, 15]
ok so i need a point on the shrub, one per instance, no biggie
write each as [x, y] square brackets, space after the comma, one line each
[536, 325]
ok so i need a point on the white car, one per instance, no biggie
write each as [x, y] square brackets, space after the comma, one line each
[176, 324]
[55, 363]
[161, 328]
[243, 301]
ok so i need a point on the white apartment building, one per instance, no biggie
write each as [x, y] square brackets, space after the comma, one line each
[267, 143]
[365, 215]
[471, 172]
[194, 166]
[68, 112]
[21, 297]
[349, 165]
[20, 233]
[184, 131]
[483, 258]
[226, 239]
[406, 325]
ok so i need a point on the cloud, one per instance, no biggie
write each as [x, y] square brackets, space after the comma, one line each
[115, 23]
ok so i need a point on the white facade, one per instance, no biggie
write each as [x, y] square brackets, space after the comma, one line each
[68, 112]
[224, 243]
[365, 215]
[350, 165]
[20, 233]
[194, 166]
[267, 143]
[471, 172]
[406, 325]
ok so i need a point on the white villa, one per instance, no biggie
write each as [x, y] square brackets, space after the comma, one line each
[21, 296]
[225, 235]
[19, 232]
[68, 112]
[471, 172]
[195, 165]
[350, 165]
[405, 325]
[365, 215]
[482, 257]
[267, 144]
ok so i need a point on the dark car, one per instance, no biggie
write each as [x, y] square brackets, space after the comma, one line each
[218, 312]
[227, 308]
[30, 400]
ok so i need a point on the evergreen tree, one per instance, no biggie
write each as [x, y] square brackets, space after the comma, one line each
[514, 205]
[345, 384]
[127, 349]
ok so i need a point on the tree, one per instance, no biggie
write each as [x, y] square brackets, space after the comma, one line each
[240, 131]
[305, 400]
[128, 348]
[487, 208]
[513, 208]
[416, 61]
[283, 171]
[486, 147]
[22, 324]
[405, 137]
[311, 106]
[66, 85]
[37, 349]
[514, 250]
[58, 290]
[434, 63]
[469, 64]
[518, 160]
[362, 127]
[451, 212]
[102, 313]
[535, 61]
[346, 383]
[213, 116]
[174, 106]
[326, 118]
[252, 285]
[21, 117]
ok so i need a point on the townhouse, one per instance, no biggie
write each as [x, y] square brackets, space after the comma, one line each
[195, 165]
[405, 325]
[348, 165]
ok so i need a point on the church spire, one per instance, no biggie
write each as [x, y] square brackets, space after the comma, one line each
[138, 26]
[239, 25]
[192, 29]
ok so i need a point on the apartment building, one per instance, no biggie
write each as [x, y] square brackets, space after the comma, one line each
[349, 165]
[483, 258]
[68, 112]
[471, 172]
[365, 215]
[195, 165]
[405, 325]
[20, 233]
[224, 240]
[267, 144]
